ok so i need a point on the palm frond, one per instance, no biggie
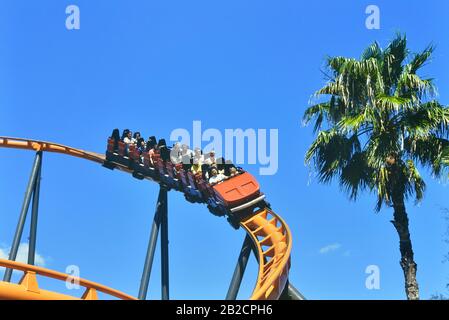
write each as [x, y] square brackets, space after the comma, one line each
[411, 84]
[381, 180]
[356, 175]
[430, 118]
[372, 51]
[318, 112]
[420, 59]
[415, 185]
[331, 151]
[429, 150]
[392, 103]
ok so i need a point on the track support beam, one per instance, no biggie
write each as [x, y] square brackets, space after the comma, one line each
[239, 271]
[34, 216]
[291, 293]
[164, 247]
[33, 185]
[160, 221]
[294, 293]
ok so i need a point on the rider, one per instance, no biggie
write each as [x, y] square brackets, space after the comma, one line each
[215, 176]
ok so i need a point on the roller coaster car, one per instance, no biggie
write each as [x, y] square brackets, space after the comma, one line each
[238, 190]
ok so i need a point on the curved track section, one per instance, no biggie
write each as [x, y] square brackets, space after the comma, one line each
[270, 234]
[28, 288]
[272, 239]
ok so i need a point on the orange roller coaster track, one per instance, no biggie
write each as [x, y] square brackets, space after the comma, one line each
[270, 236]
[28, 288]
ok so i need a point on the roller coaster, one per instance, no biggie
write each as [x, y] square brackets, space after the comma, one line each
[239, 198]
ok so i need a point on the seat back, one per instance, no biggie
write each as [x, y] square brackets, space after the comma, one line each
[183, 177]
[158, 163]
[133, 152]
[202, 185]
[170, 169]
[210, 191]
[191, 180]
[122, 148]
[146, 159]
[111, 145]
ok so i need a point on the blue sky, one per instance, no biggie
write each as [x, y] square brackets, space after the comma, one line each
[155, 66]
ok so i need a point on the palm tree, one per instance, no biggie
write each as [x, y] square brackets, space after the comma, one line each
[445, 158]
[377, 121]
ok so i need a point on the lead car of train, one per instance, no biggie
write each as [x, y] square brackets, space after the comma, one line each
[236, 197]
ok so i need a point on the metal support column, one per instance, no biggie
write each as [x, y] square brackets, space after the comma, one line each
[291, 293]
[34, 215]
[165, 283]
[23, 213]
[294, 293]
[160, 207]
[239, 271]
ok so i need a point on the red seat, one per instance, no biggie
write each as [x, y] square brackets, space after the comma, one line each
[159, 164]
[111, 145]
[202, 186]
[146, 159]
[183, 177]
[133, 152]
[155, 156]
[210, 190]
[122, 148]
[191, 179]
[170, 169]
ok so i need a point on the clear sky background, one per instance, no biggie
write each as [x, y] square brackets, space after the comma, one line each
[155, 66]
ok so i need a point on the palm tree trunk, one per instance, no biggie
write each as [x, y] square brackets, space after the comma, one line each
[407, 263]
